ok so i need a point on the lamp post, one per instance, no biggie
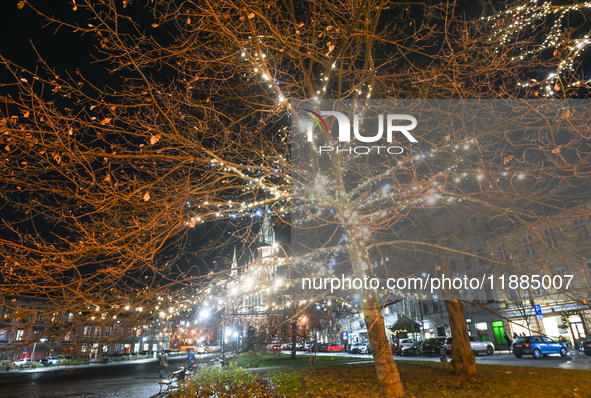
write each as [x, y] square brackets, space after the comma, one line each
[223, 331]
[35, 346]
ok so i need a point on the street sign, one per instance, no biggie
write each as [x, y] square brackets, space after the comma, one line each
[538, 311]
[345, 335]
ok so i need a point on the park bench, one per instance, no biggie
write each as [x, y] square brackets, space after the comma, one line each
[173, 381]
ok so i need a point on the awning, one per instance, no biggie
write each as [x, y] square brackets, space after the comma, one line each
[405, 323]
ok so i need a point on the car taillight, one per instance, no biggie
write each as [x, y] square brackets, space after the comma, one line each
[527, 345]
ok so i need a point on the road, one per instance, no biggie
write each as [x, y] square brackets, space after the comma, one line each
[580, 361]
[138, 379]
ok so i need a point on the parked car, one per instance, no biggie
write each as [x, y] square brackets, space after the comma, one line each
[413, 350]
[313, 347]
[360, 348]
[434, 346]
[586, 345]
[399, 344]
[302, 347]
[23, 362]
[54, 360]
[44, 361]
[201, 350]
[276, 347]
[478, 346]
[331, 348]
[537, 346]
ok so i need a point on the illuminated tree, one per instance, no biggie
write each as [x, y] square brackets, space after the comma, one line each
[107, 182]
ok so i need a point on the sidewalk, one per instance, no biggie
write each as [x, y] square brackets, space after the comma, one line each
[53, 368]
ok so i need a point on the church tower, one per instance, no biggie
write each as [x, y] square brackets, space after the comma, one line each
[234, 271]
[266, 236]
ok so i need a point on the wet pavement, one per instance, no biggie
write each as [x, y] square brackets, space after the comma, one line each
[579, 361]
[138, 379]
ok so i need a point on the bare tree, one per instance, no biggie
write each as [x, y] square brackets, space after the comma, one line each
[105, 181]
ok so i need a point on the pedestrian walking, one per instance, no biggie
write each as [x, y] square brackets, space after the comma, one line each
[190, 360]
[163, 363]
[508, 341]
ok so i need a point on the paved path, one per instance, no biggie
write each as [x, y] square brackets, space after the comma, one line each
[137, 379]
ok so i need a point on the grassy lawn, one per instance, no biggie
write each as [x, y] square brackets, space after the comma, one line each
[251, 360]
[426, 379]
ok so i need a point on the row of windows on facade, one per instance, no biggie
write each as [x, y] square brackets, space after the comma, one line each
[434, 306]
[549, 237]
[528, 248]
[20, 333]
[97, 331]
[39, 317]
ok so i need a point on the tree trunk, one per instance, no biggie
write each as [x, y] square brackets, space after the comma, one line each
[463, 359]
[386, 369]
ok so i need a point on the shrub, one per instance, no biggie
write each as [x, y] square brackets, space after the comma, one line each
[212, 381]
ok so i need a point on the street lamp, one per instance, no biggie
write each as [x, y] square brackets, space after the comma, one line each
[204, 314]
[35, 346]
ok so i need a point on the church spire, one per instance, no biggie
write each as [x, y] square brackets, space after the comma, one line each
[234, 271]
